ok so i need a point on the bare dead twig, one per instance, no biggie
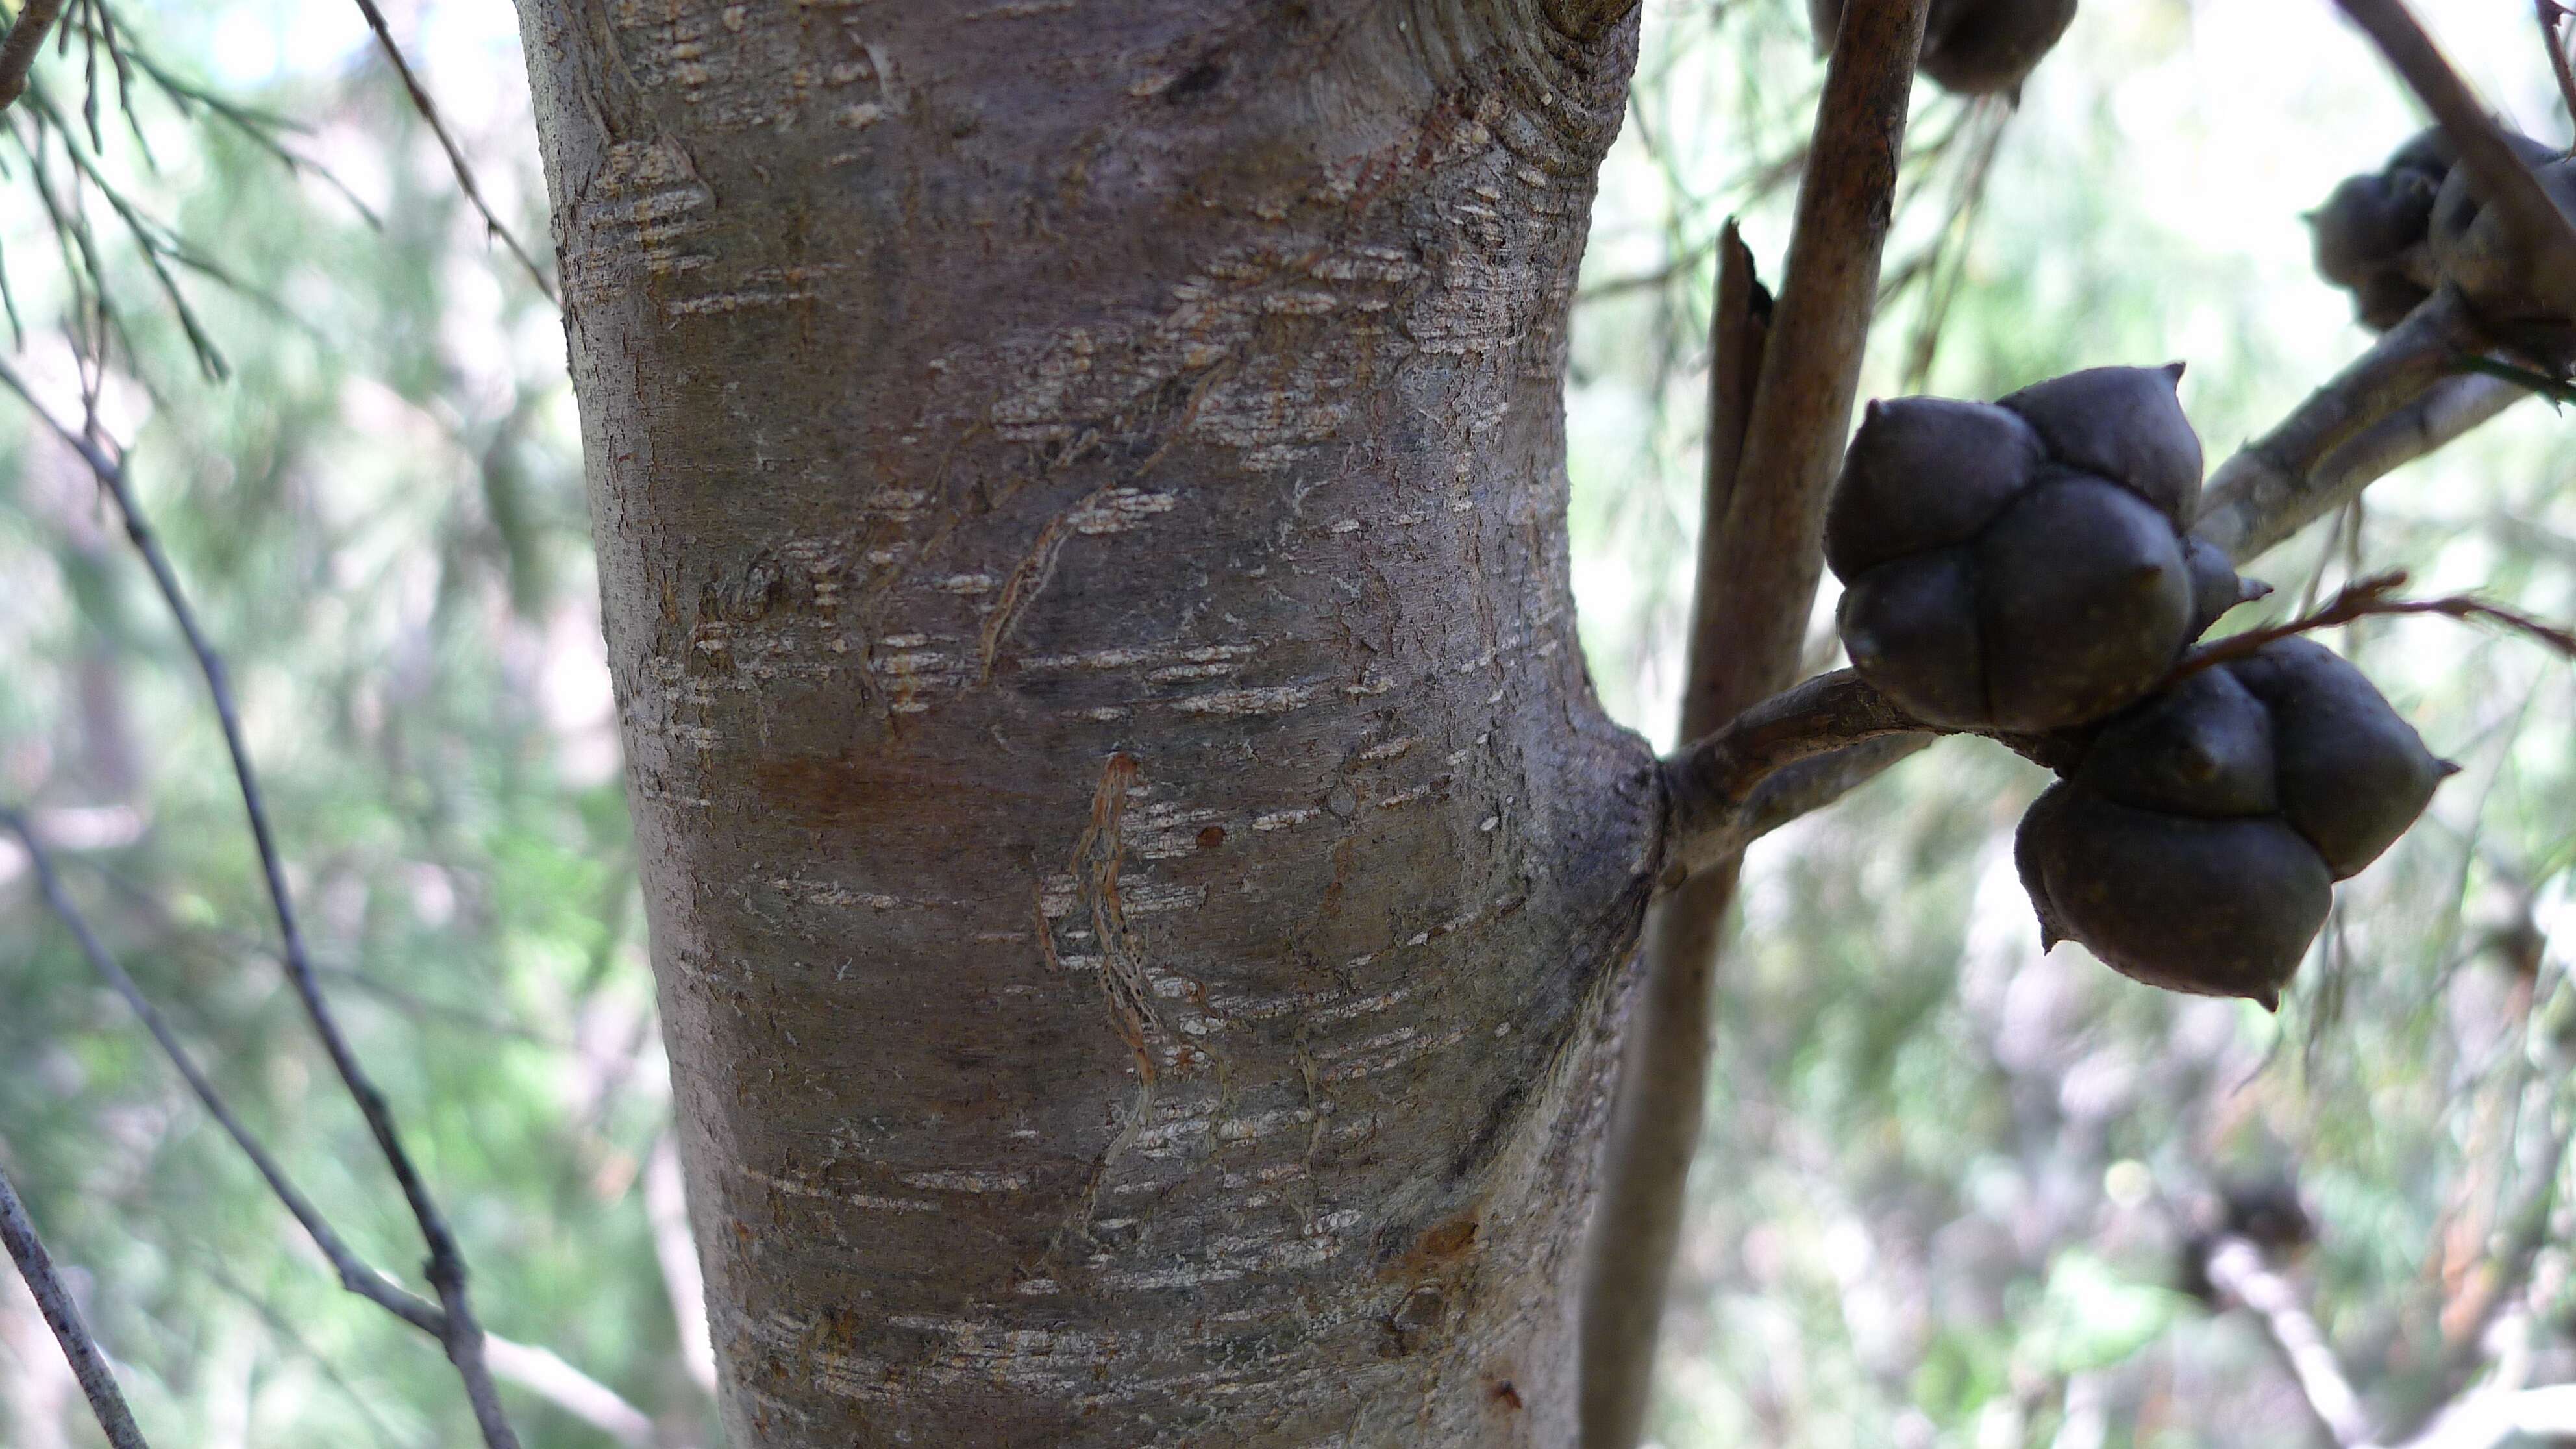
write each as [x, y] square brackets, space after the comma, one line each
[2551, 12]
[2545, 234]
[462, 1336]
[26, 38]
[455, 158]
[355, 1275]
[539, 1370]
[1655, 1123]
[63, 1316]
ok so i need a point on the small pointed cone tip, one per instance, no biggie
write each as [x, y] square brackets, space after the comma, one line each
[2173, 370]
[1871, 410]
[2248, 590]
[2269, 998]
[2449, 767]
[2048, 940]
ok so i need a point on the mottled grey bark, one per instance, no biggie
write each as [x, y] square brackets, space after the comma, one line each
[1137, 872]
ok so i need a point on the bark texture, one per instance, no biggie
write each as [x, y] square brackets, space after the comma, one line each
[1136, 869]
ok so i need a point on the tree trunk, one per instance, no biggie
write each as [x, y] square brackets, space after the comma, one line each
[1137, 872]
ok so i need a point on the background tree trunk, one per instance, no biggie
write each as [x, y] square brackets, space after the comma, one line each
[1136, 869]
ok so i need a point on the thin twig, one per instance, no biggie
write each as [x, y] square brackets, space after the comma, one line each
[463, 1337]
[455, 158]
[55, 1301]
[26, 38]
[355, 1275]
[2546, 236]
[147, 240]
[2371, 597]
[260, 128]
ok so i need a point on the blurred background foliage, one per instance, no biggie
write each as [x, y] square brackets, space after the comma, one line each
[1948, 1184]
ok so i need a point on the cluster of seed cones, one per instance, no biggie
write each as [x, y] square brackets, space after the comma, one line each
[2025, 568]
[2392, 236]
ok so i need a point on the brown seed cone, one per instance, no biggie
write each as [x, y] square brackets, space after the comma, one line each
[2353, 773]
[2125, 423]
[2372, 234]
[2064, 587]
[2083, 601]
[2210, 907]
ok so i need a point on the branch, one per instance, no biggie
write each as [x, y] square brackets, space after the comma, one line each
[2446, 412]
[2551, 12]
[1711, 780]
[2373, 597]
[1813, 784]
[2502, 181]
[2236, 1267]
[455, 158]
[1801, 409]
[2292, 475]
[26, 38]
[1780, 397]
[355, 1275]
[88, 1364]
[1664, 1052]
[462, 1336]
